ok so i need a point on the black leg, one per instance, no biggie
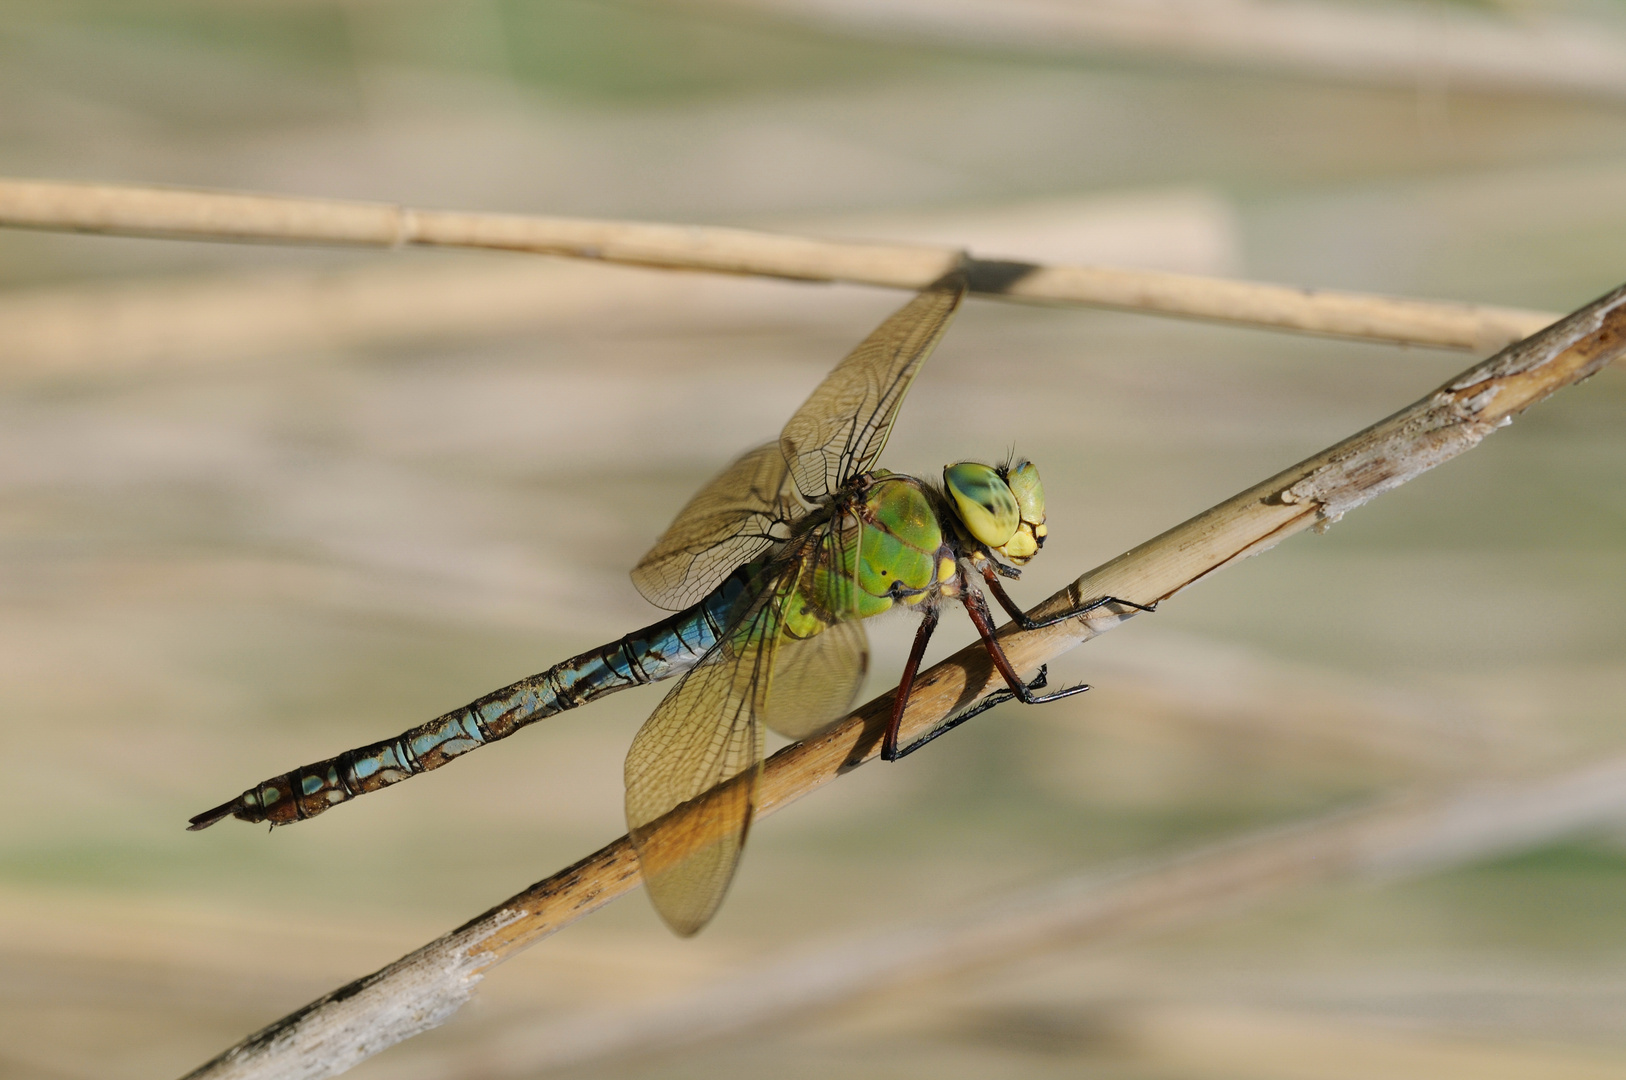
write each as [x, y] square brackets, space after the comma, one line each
[1016, 689]
[977, 608]
[1021, 618]
[998, 697]
[1001, 569]
[900, 701]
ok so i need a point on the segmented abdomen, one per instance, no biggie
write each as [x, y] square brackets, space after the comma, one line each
[667, 648]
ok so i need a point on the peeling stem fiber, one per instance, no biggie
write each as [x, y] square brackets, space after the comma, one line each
[423, 988]
[244, 217]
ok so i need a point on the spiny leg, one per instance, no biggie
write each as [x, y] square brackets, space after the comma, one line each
[998, 697]
[1022, 619]
[889, 745]
[1016, 689]
[977, 608]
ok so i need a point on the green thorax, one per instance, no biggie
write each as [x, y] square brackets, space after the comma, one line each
[888, 546]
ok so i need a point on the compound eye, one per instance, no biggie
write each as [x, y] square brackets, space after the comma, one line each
[984, 502]
[1023, 478]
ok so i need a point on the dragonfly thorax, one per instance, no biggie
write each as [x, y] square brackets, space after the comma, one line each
[895, 545]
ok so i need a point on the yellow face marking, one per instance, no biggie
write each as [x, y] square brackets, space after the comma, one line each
[946, 569]
[1020, 547]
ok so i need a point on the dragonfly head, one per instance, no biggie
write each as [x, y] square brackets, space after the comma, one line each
[1002, 507]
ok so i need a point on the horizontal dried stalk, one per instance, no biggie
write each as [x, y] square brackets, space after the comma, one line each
[1392, 840]
[139, 211]
[1416, 46]
[422, 989]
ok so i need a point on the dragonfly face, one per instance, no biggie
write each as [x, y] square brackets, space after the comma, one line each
[1002, 508]
[1023, 477]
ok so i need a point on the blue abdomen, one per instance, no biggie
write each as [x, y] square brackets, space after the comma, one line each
[667, 648]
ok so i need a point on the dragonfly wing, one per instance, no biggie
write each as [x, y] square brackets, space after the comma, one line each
[838, 432]
[705, 733]
[816, 679]
[842, 427]
[727, 523]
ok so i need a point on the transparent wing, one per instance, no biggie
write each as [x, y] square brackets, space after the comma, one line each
[841, 429]
[727, 523]
[705, 732]
[816, 679]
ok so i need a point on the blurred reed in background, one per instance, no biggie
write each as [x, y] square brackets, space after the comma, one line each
[245, 545]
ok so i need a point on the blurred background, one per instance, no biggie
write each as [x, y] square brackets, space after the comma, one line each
[259, 504]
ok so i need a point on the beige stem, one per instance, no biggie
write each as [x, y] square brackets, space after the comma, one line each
[137, 211]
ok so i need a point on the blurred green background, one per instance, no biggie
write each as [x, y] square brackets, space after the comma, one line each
[261, 504]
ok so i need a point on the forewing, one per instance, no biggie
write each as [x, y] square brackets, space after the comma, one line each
[841, 429]
[816, 679]
[705, 732]
[727, 523]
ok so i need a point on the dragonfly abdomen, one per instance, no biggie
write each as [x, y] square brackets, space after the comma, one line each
[660, 651]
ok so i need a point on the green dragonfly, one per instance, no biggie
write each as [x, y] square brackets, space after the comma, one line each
[771, 569]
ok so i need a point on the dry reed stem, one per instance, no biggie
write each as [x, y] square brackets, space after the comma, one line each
[1423, 48]
[1395, 839]
[1291, 1042]
[144, 211]
[422, 989]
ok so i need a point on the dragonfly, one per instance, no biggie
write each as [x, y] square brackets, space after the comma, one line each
[771, 569]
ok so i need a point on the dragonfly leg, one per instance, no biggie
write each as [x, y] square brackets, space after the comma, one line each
[889, 745]
[1021, 618]
[977, 608]
[994, 566]
[998, 697]
[1016, 689]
